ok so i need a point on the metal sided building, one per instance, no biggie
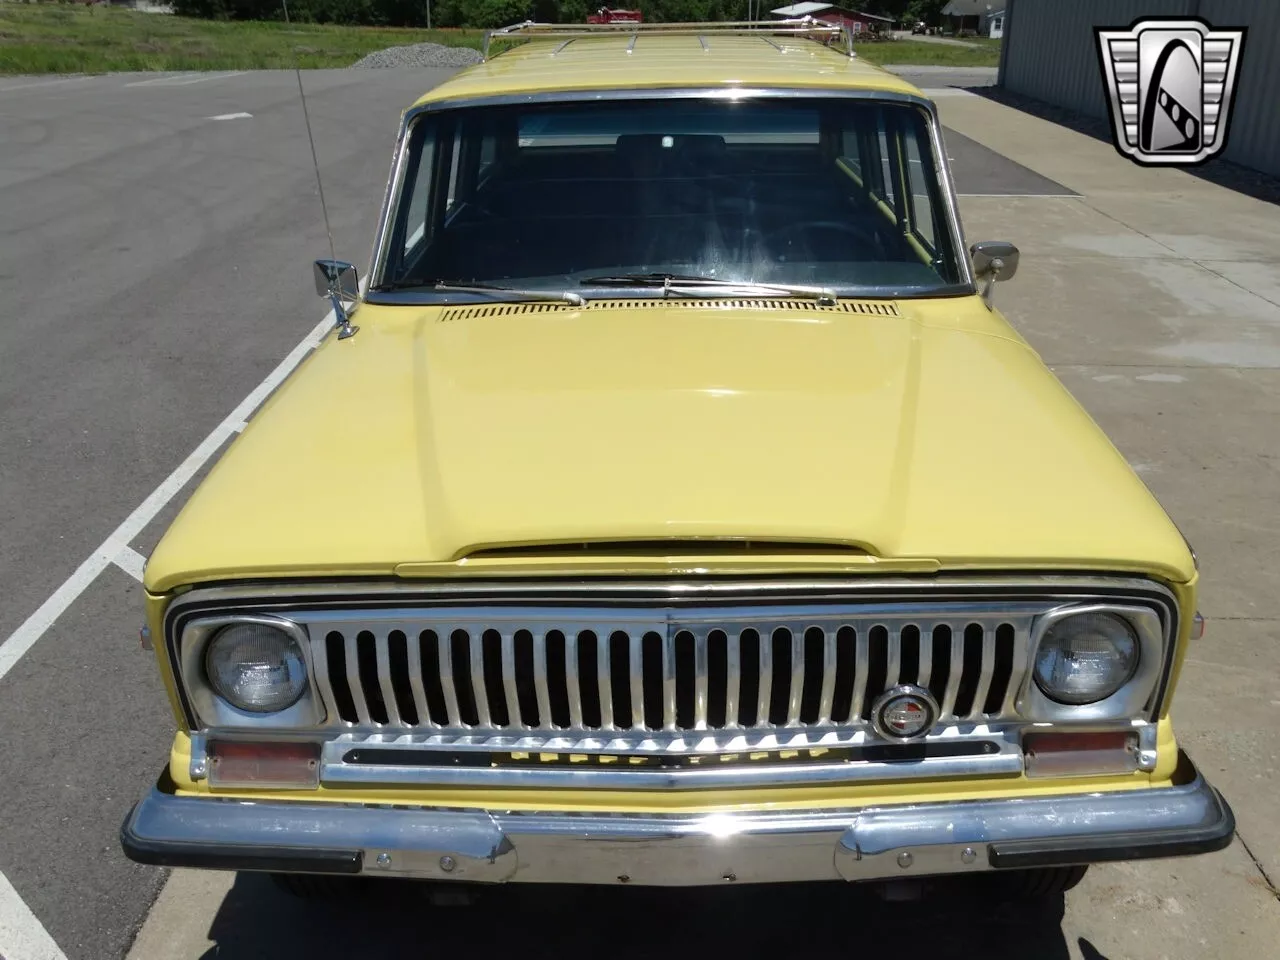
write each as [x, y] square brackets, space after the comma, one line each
[1050, 54]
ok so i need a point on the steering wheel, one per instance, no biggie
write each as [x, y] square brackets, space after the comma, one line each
[864, 235]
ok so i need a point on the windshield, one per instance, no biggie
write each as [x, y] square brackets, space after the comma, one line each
[835, 193]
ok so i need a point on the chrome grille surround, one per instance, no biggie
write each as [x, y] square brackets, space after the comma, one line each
[806, 739]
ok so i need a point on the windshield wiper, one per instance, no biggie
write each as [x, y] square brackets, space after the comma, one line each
[685, 285]
[566, 296]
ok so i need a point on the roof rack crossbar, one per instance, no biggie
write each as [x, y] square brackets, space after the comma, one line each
[809, 28]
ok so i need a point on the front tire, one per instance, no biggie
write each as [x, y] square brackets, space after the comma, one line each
[316, 886]
[1042, 883]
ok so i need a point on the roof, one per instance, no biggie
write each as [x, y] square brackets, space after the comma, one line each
[972, 8]
[637, 60]
[801, 9]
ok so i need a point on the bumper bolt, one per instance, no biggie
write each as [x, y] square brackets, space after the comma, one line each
[623, 878]
[729, 876]
[447, 863]
[968, 855]
[383, 860]
[905, 859]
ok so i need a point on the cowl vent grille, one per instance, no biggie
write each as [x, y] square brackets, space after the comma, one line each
[869, 308]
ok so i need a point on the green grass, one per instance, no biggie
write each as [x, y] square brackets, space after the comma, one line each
[71, 38]
[919, 53]
[57, 38]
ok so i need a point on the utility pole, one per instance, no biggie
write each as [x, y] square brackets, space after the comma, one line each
[428, 14]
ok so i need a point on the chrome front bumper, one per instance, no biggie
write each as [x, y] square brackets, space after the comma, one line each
[872, 843]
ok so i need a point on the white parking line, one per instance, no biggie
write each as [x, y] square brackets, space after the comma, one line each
[22, 935]
[131, 562]
[44, 83]
[154, 80]
[221, 76]
[184, 79]
[22, 639]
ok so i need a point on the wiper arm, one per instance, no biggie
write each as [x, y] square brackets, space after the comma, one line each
[684, 285]
[565, 296]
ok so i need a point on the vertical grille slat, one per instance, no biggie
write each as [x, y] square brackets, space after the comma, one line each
[541, 690]
[827, 697]
[893, 662]
[1017, 671]
[925, 655]
[604, 681]
[953, 677]
[861, 661]
[733, 678]
[475, 646]
[700, 680]
[764, 695]
[797, 676]
[354, 684]
[571, 678]
[509, 679]
[320, 661]
[637, 682]
[668, 681]
[988, 671]
[383, 653]
[414, 652]
[781, 669]
[445, 659]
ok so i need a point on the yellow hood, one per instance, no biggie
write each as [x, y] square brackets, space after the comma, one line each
[931, 439]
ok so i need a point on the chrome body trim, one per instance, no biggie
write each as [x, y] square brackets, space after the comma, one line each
[633, 602]
[851, 843]
[670, 762]
[395, 185]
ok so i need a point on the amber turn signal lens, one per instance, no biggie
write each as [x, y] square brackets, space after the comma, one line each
[247, 764]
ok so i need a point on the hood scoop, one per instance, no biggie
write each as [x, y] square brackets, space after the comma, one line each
[868, 308]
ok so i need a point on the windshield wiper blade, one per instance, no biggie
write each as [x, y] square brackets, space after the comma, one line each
[677, 284]
[565, 296]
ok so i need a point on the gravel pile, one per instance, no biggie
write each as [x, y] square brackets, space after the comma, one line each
[420, 55]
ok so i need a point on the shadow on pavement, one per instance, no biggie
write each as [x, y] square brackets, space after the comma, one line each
[1224, 173]
[394, 920]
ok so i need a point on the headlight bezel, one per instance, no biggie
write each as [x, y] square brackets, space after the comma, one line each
[1132, 700]
[211, 708]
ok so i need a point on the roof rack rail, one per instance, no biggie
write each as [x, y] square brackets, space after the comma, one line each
[807, 27]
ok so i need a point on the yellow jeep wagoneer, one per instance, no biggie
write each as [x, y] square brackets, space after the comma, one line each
[685, 515]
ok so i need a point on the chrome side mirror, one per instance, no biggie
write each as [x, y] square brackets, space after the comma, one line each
[337, 280]
[993, 260]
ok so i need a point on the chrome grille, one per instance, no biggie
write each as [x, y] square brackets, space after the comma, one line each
[667, 670]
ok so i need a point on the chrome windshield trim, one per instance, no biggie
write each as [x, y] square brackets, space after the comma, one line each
[942, 170]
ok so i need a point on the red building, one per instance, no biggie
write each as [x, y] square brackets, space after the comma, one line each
[857, 21]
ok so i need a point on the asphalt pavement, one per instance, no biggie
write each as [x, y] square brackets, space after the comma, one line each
[155, 248]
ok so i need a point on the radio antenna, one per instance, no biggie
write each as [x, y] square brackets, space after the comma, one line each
[315, 163]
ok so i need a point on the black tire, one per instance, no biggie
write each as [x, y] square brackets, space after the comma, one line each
[315, 886]
[1043, 883]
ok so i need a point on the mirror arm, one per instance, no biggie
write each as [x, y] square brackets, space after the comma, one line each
[990, 277]
[342, 319]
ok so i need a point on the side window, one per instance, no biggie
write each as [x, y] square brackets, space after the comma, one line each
[884, 143]
[919, 204]
[416, 225]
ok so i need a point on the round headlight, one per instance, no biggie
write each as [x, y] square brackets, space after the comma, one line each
[1086, 658]
[256, 667]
